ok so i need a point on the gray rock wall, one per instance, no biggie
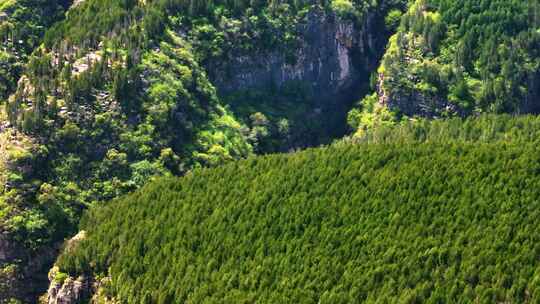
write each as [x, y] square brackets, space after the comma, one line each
[335, 57]
[69, 291]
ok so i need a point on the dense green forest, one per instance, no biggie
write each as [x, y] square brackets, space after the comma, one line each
[458, 58]
[99, 97]
[117, 93]
[22, 26]
[447, 213]
[482, 129]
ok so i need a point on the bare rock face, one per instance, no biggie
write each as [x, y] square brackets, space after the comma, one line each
[334, 56]
[76, 3]
[67, 290]
[413, 102]
[64, 289]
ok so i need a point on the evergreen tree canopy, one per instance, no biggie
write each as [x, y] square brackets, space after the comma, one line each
[413, 221]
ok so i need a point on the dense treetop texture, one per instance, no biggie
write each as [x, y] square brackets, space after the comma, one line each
[458, 58]
[100, 97]
[450, 221]
[118, 92]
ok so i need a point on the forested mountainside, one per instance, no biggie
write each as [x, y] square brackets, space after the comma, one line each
[442, 212]
[459, 58]
[22, 26]
[98, 97]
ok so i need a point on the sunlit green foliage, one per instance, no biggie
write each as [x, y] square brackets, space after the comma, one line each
[460, 57]
[164, 124]
[411, 221]
[118, 93]
[22, 26]
[483, 129]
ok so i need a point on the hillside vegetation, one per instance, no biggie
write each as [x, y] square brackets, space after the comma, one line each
[98, 97]
[22, 26]
[453, 220]
[458, 58]
[118, 92]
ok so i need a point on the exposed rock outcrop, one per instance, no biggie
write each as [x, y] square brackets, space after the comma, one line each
[67, 290]
[414, 102]
[64, 289]
[333, 60]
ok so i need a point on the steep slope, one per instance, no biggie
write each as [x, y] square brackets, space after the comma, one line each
[22, 25]
[122, 91]
[459, 58]
[309, 79]
[92, 150]
[446, 214]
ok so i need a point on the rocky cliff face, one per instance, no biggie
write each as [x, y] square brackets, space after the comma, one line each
[413, 102]
[333, 61]
[71, 290]
[64, 289]
[68, 290]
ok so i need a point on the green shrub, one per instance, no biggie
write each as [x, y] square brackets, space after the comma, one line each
[343, 7]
